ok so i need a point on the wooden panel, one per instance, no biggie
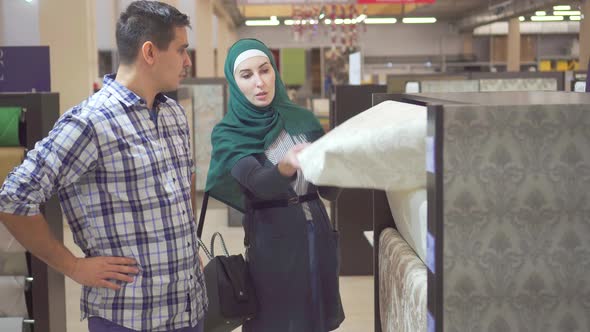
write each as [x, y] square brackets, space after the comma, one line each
[316, 71]
[528, 48]
[352, 211]
[276, 53]
[499, 48]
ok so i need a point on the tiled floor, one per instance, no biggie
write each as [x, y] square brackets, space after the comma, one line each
[357, 292]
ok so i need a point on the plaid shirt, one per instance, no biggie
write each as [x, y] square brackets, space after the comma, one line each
[123, 181]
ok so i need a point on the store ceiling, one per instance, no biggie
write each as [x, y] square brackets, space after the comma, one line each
[447, 10]
[451, 9]
[458, 9]
[281, 10]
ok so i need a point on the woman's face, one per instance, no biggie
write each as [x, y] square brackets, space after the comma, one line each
[256, 79]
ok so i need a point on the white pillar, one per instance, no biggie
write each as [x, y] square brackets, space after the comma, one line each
[513, 49]
[222, 44]
[72, 47]
[585, 36]
[204, 43]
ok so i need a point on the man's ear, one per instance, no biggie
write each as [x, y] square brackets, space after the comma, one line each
[148, 52]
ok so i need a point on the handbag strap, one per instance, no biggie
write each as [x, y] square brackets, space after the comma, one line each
[201, 223]
[207, 253]
[213, 238]
[203, 212]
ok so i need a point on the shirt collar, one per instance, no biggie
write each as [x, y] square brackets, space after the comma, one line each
[126, 96]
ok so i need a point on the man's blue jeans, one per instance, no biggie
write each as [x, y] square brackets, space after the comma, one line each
[99, 324]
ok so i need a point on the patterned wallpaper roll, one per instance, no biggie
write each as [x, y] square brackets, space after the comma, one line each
[8, 243]
[402, 285]
[9, 122]
[209, 107]
[9, 159]
[588, 78]
[13, 264]
[11, 324]
[12, 293]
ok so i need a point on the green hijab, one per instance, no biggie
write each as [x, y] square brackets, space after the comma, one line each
[248, 130]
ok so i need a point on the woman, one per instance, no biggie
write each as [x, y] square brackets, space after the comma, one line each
[292, 250]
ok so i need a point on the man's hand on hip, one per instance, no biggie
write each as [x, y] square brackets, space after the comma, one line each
[102, 271]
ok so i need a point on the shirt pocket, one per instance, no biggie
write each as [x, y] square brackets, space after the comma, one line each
[180, 145]
[181, 157]
[131, 175]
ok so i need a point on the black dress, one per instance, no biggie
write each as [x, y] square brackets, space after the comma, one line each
[292, 251]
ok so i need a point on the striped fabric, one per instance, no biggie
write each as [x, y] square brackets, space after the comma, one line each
[124, 187]
[277, 151]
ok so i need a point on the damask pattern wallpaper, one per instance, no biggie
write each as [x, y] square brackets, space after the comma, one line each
[449, 86]
[489, 85]
[402, 285]
[518, 84]
[517, 218]
[208, 103]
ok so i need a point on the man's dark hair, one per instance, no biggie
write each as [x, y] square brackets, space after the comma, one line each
[147, 21]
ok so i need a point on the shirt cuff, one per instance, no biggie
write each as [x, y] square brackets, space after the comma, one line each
[19, 209]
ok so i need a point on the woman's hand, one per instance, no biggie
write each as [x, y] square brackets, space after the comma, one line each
[290, 164]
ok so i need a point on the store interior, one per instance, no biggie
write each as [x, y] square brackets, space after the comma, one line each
[492, 237]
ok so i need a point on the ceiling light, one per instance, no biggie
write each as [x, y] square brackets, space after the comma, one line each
[546, 18]
[327, 21]
[273, 18]
[289, 22]
[380, 20]
[521, 18]
[562, 7]
[361, 17]
[419, 19]
[567, 13]
[540, 13]
[575, 18]
[260, 23]
[29, 1]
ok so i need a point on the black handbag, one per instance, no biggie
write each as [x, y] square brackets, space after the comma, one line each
[230, 290]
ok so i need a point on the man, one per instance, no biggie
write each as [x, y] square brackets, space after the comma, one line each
[121, 166]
